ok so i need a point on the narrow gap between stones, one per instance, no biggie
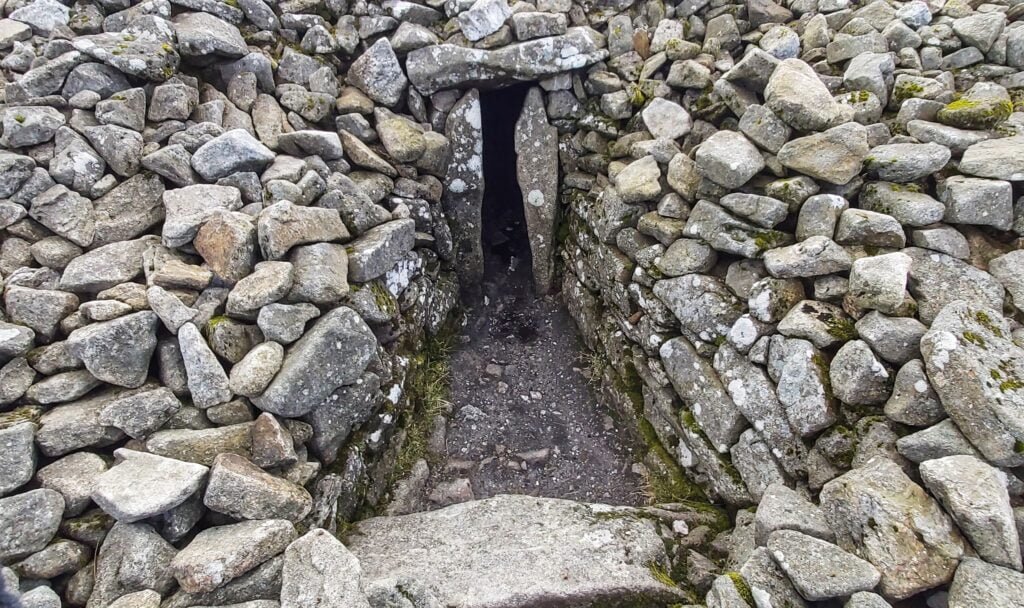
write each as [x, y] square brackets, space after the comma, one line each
[523, 418]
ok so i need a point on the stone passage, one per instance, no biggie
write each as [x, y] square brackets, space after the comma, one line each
[232, 234]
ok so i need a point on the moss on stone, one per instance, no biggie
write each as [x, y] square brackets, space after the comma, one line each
[742, 588]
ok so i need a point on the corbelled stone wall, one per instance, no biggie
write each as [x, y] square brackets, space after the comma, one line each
[790, 233]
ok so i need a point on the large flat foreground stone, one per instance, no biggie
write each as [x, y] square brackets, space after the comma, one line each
[518, 551]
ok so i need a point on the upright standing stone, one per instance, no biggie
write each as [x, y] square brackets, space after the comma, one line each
[464, 187]
[537, 171]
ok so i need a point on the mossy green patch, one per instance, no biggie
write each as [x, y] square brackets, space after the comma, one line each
[742, 588]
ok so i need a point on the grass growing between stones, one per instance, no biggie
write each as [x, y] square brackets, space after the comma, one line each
[427, 385]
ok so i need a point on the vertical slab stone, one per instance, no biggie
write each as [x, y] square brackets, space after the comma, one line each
[537, 172]
[464, 187]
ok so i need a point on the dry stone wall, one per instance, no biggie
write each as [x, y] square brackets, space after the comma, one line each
[791, 232]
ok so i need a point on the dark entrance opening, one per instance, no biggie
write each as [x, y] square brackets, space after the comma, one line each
[506, 244]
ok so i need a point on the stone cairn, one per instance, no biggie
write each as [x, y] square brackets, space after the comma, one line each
[791, 232]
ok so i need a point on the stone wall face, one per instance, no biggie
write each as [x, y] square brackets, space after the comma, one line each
[778, 240]
[791, 233]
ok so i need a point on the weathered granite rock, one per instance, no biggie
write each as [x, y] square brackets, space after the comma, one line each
[117, 351]
[448, 66]
[378, 249]
[526, 537]
[820, 570]
[976, 370]
[979, 583]
[882, 516]
[242, 490]
[30, 521]
[537, 171]
[223, 553]
[17, 456]
[318, 569]
[974, 493]
[143, 485]
[333, 353]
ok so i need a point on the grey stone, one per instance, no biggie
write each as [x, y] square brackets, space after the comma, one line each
[143, 485]
[207, 382]
[536, 168]
[818, 569]
[17, 456]
[27, 125]
[379, 249]
[835, 155]
[726, 233]
[144, 54]
[133, 557]
[140, 414]
[378, 74]
[970, 200]
[1007, 269]
[74, 477]
[797, 96]
[858, 377]
[483, 18]
[67, 213]
[868, 228]
[319, 569]
[121, 148]
[242, 490]
[250, 376]
[526, 537]
[906, 204]
[879, 282]
[814, 256]
[882, 516]
[803, 386]
[937, 280]
[30, 521]
[995, 159]
[285, 323]
[187, 208]
[129, 210]
[728, 159]
[333, 353]
[971, 362]
[913, 400]
[979, 583]
[974, 493]
[906, 162]
[16, 376]
[463, 186]
[202, 34]
[234, 151]
[638, 181]
[447, 66]
[894, 339]
[117, 351]
[231, 550]
[39, 309]
[284, 225]
[106, 266]
[696, 381]
[784, 509]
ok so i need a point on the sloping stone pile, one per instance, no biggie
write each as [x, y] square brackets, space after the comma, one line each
[795, 232]
[219, 256]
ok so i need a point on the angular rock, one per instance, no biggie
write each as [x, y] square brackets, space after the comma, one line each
[117, 351]
[333, 353]
[974, 493]
[882, 516]
[242, 490]
[29, 521]
[835, 155]
[319, 569]
[820, 570]
[223, 553]
[207, 381]
[143, 485]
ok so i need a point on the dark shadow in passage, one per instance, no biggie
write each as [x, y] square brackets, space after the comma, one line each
[506, 244]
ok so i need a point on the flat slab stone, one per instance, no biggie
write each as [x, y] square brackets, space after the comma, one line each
[512, 551]
[447, 66]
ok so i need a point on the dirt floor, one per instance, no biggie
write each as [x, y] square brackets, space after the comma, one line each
[524, 418]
